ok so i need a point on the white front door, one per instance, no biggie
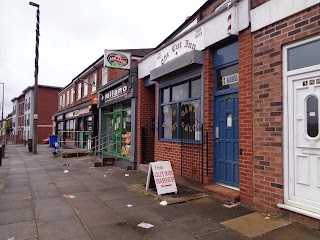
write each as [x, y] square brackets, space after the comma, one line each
[303, 111]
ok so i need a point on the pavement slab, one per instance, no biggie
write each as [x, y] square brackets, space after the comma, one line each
[121, 231]
[255, 224]
[8, 189]
[174, 233]
[52, 214]
[48, 194]
[65, 229]
[147, 216]
[15, 196]
[15, 205]
[22, 230]
[197, 225]
[139, 203]
[50, 202]
[15, 216]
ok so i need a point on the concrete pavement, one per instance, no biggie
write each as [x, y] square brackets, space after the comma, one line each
[36, 202]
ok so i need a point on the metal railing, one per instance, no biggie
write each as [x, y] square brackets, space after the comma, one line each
[106, 142]
[79, 142]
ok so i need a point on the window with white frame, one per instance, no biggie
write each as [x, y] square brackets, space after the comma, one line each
[104, 76]
[72, 95]
[68, 97]
[94, 81]
[79, 91]
[85, 88]
[63, 100]
[60, 102]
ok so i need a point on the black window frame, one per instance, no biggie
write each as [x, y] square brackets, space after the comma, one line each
[189, 77]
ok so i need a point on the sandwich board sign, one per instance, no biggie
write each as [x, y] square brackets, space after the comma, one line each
[163, 177]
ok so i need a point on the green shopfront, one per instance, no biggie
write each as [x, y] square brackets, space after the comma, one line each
[117, 109]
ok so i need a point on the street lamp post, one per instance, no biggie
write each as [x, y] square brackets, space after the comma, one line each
[2, 127]
[35, 94]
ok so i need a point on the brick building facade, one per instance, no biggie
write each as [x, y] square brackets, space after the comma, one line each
[246, 104]
[22, 118]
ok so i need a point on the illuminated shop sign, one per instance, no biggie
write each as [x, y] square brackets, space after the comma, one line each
[191, 41]
[115, 93]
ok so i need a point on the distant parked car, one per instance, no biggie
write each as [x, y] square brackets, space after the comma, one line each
[45, 141]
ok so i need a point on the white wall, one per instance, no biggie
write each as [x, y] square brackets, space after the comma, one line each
[275, 10]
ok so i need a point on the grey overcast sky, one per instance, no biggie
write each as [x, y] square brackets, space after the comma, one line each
[75, 33]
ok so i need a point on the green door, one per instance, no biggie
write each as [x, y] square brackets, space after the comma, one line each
[114, 130]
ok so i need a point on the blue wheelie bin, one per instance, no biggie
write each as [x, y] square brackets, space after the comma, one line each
[52, 138]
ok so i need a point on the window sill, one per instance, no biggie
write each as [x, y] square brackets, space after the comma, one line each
[179, 141]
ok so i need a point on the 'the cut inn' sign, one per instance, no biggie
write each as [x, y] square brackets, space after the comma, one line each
[163, 177]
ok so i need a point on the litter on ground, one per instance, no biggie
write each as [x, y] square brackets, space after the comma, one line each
[65, 171]
[164, 203]
[145, 225]
[127, 175]
[129, 205]
[69, 196]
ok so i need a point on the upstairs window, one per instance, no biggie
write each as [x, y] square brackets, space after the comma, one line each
[68, 97]
[104, 76]
[63, 100]
[94, 81]
[79, 91]
[85, 88]
[72, 95]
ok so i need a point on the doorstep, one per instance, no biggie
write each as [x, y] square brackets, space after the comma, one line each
[223, 192]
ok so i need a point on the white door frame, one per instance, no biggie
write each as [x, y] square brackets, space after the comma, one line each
[288, 169]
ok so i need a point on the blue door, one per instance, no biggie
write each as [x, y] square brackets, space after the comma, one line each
[226, 140]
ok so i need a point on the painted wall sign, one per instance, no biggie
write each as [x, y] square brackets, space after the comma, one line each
[192, 41]
[233, 78]
[163, 177]
[114, 93]
[116, 59]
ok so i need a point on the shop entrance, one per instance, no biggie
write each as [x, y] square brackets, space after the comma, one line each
[227, 140]
[118, 132]
[114, 130]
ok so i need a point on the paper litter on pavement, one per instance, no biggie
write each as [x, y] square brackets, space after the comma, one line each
[129, 205]
[164, 203]
[127, 175]
[145, 225]
[69, 196]
[65, 171]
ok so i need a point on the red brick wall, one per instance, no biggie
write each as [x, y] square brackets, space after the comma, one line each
[208, 111]
[267, 105]
[245, 116]
[146, 110]
[47, 105]
[211, 9]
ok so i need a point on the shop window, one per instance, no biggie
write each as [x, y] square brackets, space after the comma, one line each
[227, 77]
[181, 111]
[304, 56]
[312, 116]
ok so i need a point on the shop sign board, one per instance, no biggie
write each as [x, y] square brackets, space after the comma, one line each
[233, 78]
[114, 93]
[115, 59]
[194, 40]
[60, 117]
[163, 177]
